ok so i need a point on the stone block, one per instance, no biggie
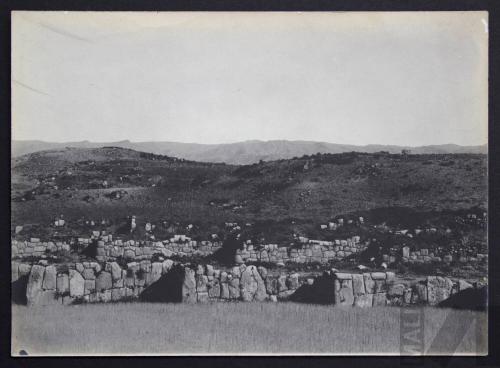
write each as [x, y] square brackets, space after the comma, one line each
[438, 289]
[129, 254]
[104, 281]
[358, 285]
[88, 274]
[189, 286]
[224, 292]
[344, 295]
[156, 271]
[62, 284]
[76, 284]
[49, 279]
[34, 287]
[369, 283]
[167, 266]
[378, 275]
[117, 294]
[89, 286]
[396, 290]
[115, 270]
[234, 288]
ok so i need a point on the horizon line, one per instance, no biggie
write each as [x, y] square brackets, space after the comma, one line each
[245, 141]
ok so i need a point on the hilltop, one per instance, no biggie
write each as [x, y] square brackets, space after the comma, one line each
[242, 153]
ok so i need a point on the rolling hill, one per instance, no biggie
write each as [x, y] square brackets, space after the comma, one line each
[112, 183]
[242, 153]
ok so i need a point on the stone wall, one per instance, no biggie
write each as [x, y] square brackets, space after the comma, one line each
[381, 288]
[427, 256]
[91, 282]
[144, 250]
[36, 248]
[112, 250]
[310, 251]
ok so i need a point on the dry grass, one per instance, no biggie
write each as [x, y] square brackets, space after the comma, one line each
[231, 328]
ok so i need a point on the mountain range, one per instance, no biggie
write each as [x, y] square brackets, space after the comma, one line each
[242, 153]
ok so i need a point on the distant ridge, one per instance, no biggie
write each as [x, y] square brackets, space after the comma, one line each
[242, 153]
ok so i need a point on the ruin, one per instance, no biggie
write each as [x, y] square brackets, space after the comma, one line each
[169, 281]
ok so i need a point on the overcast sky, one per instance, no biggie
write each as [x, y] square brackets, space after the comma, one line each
[353, 78]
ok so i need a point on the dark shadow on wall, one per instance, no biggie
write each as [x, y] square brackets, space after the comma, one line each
[471, 299]
[226, 254]
[19, 290]
[168, 289]
[91, 250]
[321, 292]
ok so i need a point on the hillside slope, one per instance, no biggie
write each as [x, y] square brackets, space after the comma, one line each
[240, 153]
[113, 183]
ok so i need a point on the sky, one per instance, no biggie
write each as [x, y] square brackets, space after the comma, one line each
[409, 78]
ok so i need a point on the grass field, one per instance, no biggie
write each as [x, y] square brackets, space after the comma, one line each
[231, 328]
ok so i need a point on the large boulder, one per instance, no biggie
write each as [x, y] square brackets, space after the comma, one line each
[369, 283]
[34, 288]
[344, 294]
[156, 271]
[189, 286]
[438, 289]
[116, 271]
[234, 288]
[49, 279]
[104, 281]
[251, 285]
[88, 274]
[76, 284]
[224, 290]
[62, 284]
[358, 285]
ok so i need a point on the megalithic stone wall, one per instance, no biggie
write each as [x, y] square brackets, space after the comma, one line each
[109, 249]
[90, 282]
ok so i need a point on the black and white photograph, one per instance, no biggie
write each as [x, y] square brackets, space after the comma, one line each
[249, 183]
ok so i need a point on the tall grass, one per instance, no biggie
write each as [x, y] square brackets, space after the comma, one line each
[221, 328]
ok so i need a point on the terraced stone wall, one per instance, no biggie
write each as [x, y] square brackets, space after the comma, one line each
[168, 281]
